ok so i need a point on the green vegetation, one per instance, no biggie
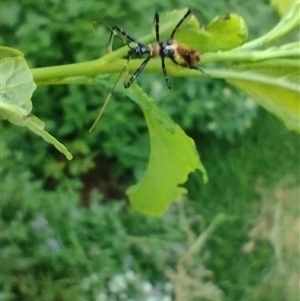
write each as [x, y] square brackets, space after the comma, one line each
[67, 229]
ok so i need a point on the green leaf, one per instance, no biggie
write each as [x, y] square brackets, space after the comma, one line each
[37, 126]
[173, 156]
[275, 85]
[289, 21]
[282, 6]
[222, 33]
[16, 89]
[9, 52]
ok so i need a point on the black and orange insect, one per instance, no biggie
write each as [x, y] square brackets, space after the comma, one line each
[180, 54]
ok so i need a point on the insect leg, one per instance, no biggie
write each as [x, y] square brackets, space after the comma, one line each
[121, 31]
[156, 22]
[189, 11]
[165, 72]
[107, 99]
[137, 72]
[185, 65]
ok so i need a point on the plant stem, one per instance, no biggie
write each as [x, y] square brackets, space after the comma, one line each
[239, 55]
[290, 20]
[67, 74]
[197, 246]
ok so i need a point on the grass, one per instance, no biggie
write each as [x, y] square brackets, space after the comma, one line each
[278, 223]
[244, 259]
[240, 174]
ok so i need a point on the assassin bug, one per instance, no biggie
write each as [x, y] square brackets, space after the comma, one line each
[180, 54]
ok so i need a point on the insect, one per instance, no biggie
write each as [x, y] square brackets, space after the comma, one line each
[180, 54]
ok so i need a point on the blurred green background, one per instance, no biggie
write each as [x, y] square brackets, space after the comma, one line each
[67, 230]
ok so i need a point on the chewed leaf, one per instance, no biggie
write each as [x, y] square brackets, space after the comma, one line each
[222, 33]
[16, 85]
[227, 32]
[173, 156]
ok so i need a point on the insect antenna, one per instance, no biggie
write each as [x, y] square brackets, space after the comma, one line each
[107, 99]
[115, 31]
[121, 34]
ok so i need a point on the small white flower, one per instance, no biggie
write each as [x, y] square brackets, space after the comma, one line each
[250, 104]
[88, 281]
[212, 126]
[168, 286]
[130, 276]
[117, 284]
[147, 287]
[210, 104]
[227, 92]
[152, 299]
[39, 223]
[157, 88]
[94, 278]
[52, 245]
[101, 297]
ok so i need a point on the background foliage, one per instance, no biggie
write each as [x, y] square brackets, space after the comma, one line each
[67, 232]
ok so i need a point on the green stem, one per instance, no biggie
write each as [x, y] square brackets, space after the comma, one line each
[198, 245]
[56, 73]
[76, 73]
[290, 20]
[238, 55]
[259, 78]
[250, 76]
